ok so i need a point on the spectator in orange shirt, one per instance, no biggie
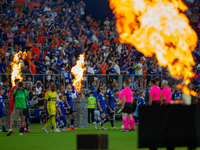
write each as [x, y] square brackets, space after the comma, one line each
[95, 47]
[32, 69]
[37, 4]
[107, 41]
[103, 71]
[31, 5]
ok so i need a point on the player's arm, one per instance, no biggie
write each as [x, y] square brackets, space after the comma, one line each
[59, 110]
[45, 105]
[99, 106]
[66, 102]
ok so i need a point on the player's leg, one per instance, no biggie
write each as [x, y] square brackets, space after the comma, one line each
[72, 120]
[66, 117]
[3, 122]
[97, 121]
[102, 121]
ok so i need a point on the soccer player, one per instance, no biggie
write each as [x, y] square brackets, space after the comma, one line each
[1, 111]
[142, 99]
[101, 107]
[127, 97]
[50, 99]
[61, 110]
[69, 106]
[110, 100]
[166, 93]
[12, 102]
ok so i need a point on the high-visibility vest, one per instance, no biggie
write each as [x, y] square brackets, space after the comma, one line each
[91, 102]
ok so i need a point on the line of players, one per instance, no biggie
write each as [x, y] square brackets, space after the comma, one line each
[64, 107]
[59, 108]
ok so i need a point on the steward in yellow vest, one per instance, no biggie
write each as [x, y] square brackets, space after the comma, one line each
[91, 107]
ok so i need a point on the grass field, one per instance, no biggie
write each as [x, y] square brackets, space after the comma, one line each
[66, 140]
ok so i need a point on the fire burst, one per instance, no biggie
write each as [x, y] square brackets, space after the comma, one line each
[16, 66]
[78, 71]
[158, 27]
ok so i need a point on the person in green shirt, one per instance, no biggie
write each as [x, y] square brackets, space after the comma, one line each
[19, 96]
[91, 107]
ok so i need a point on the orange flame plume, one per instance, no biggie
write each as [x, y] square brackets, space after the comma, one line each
[78, 71]
[158, 27]
[16, 66]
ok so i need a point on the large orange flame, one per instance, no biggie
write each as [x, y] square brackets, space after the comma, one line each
[158, 27]
[16, 66]
[78, 71]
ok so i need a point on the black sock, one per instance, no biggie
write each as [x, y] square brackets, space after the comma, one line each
[21, 130]
[111, 121]
[65, 123]
[107, 119]
[72, 122]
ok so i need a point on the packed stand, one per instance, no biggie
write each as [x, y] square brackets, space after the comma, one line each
[55, 34]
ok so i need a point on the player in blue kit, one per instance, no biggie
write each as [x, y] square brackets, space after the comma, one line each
[1, 111]
[142, 99]
[61, 110]
[101, 106]
[69, 106]
[176, 95]
[110, 100]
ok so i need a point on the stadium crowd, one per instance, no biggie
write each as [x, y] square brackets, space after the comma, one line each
[54, 34]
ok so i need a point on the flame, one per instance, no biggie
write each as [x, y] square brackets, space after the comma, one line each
[16, 66]
[158, 27]
[77, 71]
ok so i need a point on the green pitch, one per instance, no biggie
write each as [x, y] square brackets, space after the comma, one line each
[66, 140]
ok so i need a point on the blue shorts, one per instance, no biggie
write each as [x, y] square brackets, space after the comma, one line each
[63, 118]
[102, 111]
[1, 114]
[110, 111]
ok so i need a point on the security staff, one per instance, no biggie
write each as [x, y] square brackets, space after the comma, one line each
[91, 107]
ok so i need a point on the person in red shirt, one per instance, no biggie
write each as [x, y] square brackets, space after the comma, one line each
[41, 38]
[95, 47]
[36, 52]
[103, 71]
[12, 102]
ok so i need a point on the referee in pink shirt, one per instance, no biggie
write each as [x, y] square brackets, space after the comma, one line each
[155, 94]
[166, 93]
[127, 98]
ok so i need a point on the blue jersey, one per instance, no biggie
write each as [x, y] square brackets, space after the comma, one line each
[176, 96]
[142, 101]
[111, 99]
[68, 94]
[1, 103]
[94, 88]
[101, 100]
[61, 105]
[4, 92]
[147, 91]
